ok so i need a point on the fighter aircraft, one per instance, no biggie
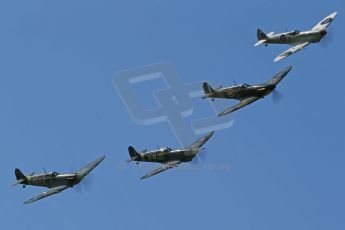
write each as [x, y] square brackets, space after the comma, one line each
[169, 158]
[55, 181]
[245, 93]
[298, 39]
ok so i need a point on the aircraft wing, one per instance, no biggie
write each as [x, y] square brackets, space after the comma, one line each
[162, 168]
[50, 192]
[279, 76]
[201, 141]
[325, 22]
[88, 168]
[292, 50]
[242, 103]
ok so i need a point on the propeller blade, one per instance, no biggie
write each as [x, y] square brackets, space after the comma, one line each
[87, 182]
[203, 154]
[276, 96]
[84, 185]
[200, 156]
[195, 160]
[327, 39]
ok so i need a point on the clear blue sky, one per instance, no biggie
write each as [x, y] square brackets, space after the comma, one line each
[59, 110]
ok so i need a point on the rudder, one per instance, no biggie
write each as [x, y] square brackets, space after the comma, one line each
[261, 35]
[133, 153]
[19, 174]
[207, 88]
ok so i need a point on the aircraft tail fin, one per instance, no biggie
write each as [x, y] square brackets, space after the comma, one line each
[261, 35]
[133, 154]
[19, 176]
[208, 90]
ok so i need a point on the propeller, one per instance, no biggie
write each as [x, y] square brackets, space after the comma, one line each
[276, 96]
[84, 185]
[200, 156]
[327, 39]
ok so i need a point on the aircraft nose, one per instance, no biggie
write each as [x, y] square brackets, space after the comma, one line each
[271, 87]
[195, 151]
[323, 33]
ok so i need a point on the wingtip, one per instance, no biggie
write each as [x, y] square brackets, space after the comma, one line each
[101, 158]
[221, 114]
[210, 134]
[288, 68]
[27, 202]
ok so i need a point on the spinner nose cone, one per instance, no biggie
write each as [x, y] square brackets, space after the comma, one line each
[195, 151]
[323, 33]
[271, 87]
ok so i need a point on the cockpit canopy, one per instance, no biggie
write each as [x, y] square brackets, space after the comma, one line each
[54, 174]
[244, 85]
[295, 32]
[167, 149]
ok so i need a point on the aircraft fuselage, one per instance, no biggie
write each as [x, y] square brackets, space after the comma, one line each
[161, 156]
[241, 92]
[50, 181]
[291, 38]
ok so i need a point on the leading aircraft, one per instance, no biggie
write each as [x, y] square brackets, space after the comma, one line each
[169, 158]
[55, 181]
[298, 39]
[245, 93]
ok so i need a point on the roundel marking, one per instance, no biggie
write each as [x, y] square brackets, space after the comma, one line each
[282, 38]
[154, 156]
[230, 92]
[40, 180]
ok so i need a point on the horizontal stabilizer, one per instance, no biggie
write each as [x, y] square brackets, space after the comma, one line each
[18, 182]
[260, 42]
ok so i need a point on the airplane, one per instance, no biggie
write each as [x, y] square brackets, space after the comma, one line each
[245, 93]
[298, 39]
[55, 181]
[169, 158]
